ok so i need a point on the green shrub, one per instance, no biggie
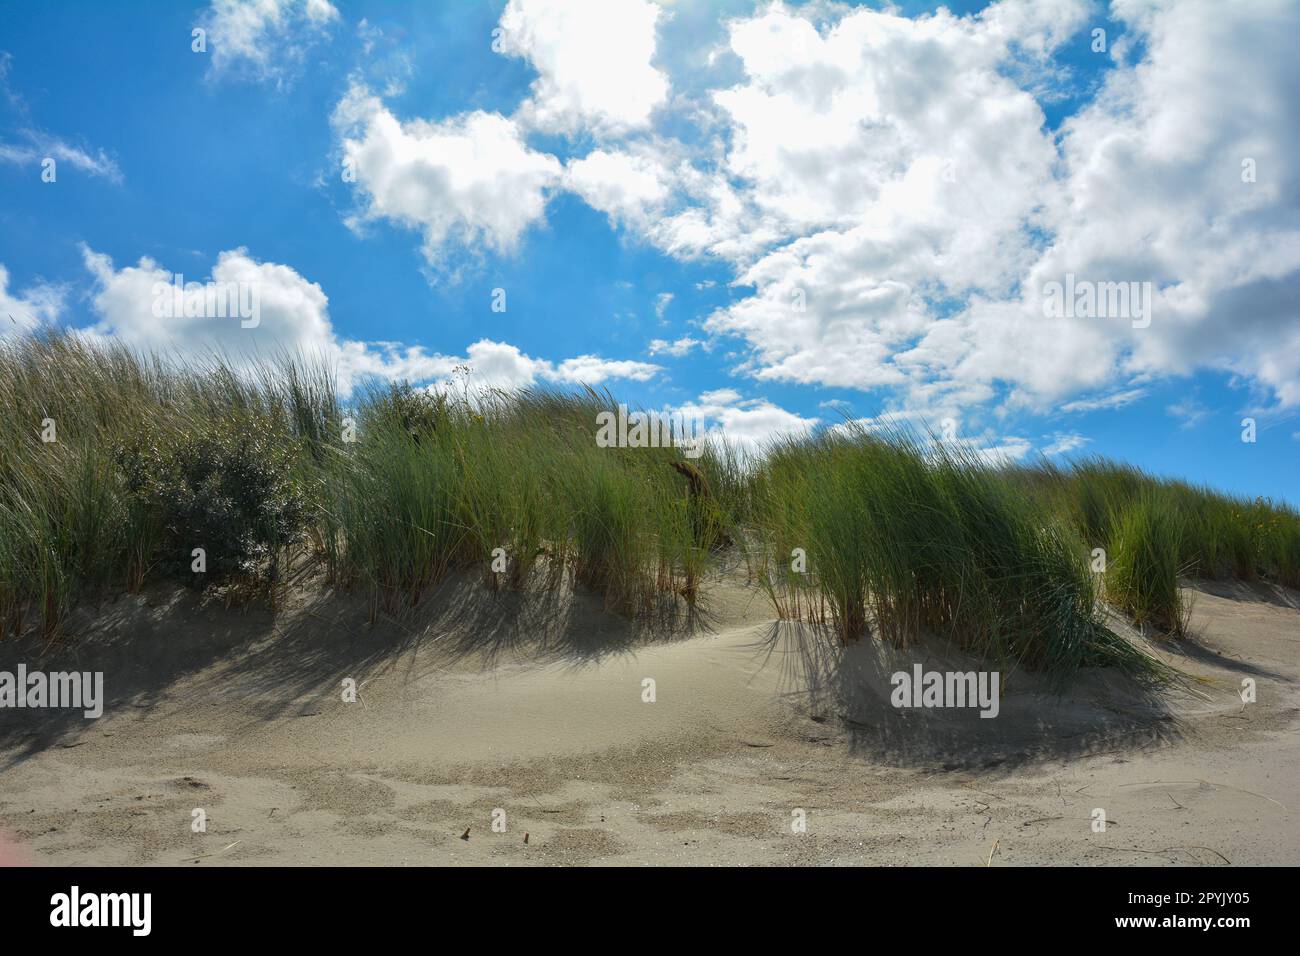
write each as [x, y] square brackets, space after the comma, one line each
[225, 484]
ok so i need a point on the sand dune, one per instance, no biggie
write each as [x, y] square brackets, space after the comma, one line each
[539, 711]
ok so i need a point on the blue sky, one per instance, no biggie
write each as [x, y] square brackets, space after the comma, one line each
[653, 185]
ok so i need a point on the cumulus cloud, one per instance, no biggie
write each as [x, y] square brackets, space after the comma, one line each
[894, 204]
[674, 197]
[1158, 169]
[147, 307]
[138, 305]
[900, 163]
[748, 423]
[264, 39]
[593, 59]
[1156, 189]
[890, 196]
[629, 187]
[720, 396]
[470, 178]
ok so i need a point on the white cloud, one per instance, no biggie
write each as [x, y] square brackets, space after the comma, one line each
[501, 365]
[628, 186]
[1152, 191]
[42, 146]
[1189, 412]
[1010, 451]
[469, 179]
[593, 59]
[901, 162]
[656, 189]
[1156, 170]
[1065, 442]
[895, 177]
[294, 316]
[749, 424]
[35, 145]
[662, 301]
[1113, 400]
[1038, 26]
[27, 311]
[676, 349]
[592, 370]
[265, 39]
[136, 306]
[867, 121]
[720, 396]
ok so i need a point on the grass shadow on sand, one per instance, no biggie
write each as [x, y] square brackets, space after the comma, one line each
[850, 686]
[176, 649]
[1253, 592]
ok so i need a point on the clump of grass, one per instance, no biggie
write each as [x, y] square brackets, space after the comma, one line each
[1143, 564]
[1212, 535]
[266, 466]
[904, 536]
[389, 517]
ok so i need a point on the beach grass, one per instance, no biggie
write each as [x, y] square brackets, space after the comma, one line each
[905, 536]
[115, 467]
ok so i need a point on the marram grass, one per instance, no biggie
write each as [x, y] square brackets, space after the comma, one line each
[115, 467]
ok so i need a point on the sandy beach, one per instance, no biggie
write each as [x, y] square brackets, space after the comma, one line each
[534, 716]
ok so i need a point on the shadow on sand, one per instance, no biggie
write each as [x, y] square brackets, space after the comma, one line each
[1103, 712]
[176, 648]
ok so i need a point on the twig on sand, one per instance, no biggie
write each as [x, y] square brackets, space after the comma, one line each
[993, 849]
[1244, 790]
[206, 856]
[1208, 783]
[1168, 849]
[1144, 783]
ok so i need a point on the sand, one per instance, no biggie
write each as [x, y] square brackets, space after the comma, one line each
[531, 715]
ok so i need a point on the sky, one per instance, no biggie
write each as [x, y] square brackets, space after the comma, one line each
[775, 217]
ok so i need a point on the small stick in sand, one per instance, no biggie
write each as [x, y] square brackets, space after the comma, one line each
[992, 850]
[206, 856]
[465, 836]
